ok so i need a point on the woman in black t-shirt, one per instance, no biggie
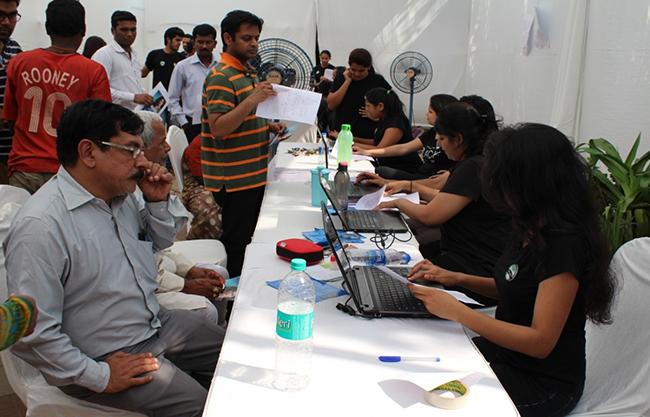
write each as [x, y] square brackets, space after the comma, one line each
[434, 157]
[347, 94]
[552, 275]
[473, 234]
[392, 128]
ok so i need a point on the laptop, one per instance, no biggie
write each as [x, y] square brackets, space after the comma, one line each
[356, 191]
[374, 293]
[368, 221]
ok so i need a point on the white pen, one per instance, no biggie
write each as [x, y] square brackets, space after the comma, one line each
[408, 358]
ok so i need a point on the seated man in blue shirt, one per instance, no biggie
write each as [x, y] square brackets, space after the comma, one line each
[82, 247]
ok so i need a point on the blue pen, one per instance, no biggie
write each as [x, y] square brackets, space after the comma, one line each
[408, 358]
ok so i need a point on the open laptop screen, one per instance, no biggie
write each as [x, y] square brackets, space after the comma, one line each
[333, 239]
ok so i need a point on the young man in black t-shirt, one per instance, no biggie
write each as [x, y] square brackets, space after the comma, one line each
[163, 61]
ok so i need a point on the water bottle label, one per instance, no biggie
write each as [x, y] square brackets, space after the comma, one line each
[294, 326]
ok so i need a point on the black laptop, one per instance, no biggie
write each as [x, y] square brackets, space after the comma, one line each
[368, 221]
[375, 294]
[356, 191]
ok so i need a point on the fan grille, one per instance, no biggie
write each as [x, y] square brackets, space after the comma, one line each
[282, 61]
[411, 66]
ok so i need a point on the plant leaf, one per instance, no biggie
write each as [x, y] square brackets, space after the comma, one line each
[606, 147]
[613, 193]
[632, 154]
[639, 166]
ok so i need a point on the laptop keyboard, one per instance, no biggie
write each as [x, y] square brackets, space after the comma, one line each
[364, 218]
[354, 191]
[357, 191]
[394, 295]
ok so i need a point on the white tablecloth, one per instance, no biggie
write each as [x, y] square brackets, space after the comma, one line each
[289, 168]
[347, 378]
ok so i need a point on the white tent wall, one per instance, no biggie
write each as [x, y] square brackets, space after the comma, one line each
[593, 81]
[290, 19]
[30, 31]
[616, 82]
[436, 28]
[521, 88]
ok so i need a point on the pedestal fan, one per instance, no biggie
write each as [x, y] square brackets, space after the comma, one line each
[411, 72]
[281, 61]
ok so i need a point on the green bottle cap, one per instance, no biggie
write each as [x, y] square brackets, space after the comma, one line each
[298, 264]
[345, 127]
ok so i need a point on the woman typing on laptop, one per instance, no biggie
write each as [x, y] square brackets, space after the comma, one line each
[552, 275]
[473, 234]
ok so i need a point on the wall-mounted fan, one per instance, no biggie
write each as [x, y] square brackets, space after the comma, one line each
[411, 72]
[282, 62]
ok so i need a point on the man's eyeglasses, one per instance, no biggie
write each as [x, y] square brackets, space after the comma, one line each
[135, 152]
[13, 16]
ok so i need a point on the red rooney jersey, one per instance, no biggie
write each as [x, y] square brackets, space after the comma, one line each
[40, 84]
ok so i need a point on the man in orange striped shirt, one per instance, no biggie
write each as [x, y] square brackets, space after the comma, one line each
[234, 140]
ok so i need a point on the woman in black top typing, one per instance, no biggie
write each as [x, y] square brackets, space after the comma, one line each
[434, 158]
[552, 275]
[473, 234]
[392, 128]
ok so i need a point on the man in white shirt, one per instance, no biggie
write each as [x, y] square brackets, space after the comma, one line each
[187, 81]
[181, 284]
[122, 64]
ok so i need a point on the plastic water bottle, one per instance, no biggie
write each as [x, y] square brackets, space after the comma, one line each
[342, 184]
[294, 329]
[344, 140]
[378, 257]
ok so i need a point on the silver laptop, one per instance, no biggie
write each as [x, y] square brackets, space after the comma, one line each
[368, 221]
[374, 293]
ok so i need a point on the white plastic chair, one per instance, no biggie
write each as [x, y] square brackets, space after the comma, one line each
[178, 142]
[618, 369]
[40, 398]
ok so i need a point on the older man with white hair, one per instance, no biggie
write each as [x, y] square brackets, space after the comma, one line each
[181, 284]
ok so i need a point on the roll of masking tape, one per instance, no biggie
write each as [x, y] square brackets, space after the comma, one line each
[451, 395]
[454, 394]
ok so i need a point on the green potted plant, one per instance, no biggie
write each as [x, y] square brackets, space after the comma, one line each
[624, 190]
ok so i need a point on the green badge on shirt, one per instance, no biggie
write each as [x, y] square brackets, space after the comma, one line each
[512, 272]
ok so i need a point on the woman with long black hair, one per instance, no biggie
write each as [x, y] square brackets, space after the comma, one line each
[473, 234]
[552, 275]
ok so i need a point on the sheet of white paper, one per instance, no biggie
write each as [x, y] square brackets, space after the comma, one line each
[533, 36]
[396, 276]
[413, 197]
[370, 201]
[457, 295]
[540, 40]
[329, 74]
[362, 158]
[462, 297]
[290, 104]
[160, 99]
[324, 274]
[525, 34]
